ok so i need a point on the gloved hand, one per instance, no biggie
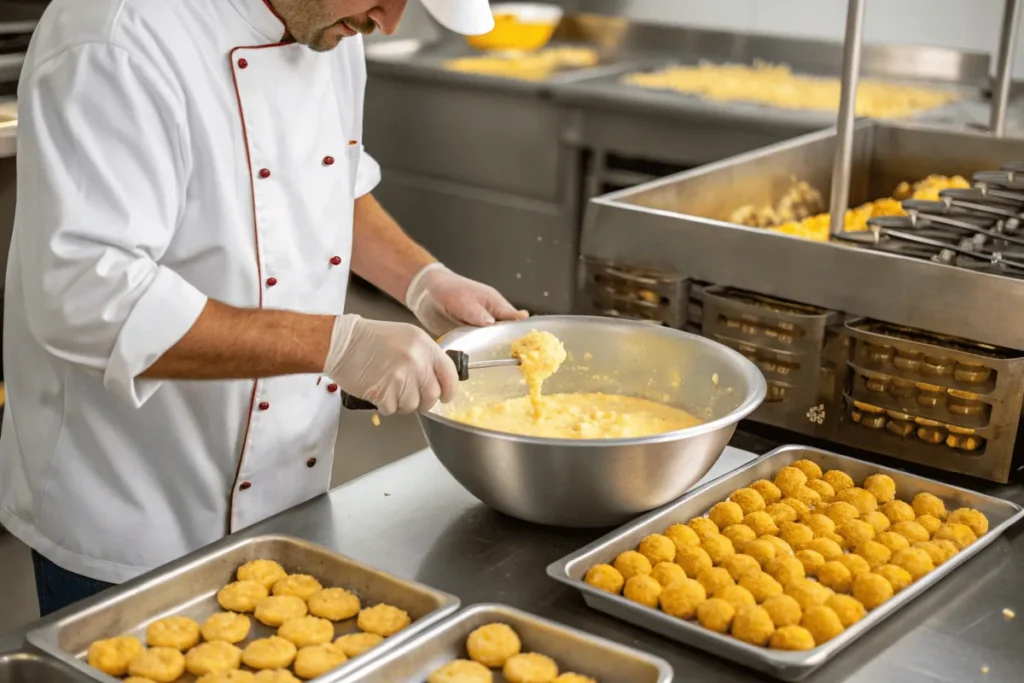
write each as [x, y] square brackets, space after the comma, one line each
[395, 366]
[443, 301]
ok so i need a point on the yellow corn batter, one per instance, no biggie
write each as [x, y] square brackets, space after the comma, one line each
[569, 416]
[524, 65]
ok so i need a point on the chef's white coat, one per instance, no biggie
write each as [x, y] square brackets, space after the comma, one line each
[169, 151]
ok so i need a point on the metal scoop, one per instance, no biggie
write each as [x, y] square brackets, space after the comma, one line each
[462, 366]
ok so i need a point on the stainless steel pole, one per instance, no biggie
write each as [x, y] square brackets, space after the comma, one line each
[1004, 73]
[839, 200]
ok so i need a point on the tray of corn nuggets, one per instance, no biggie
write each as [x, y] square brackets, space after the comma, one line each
[785, 561]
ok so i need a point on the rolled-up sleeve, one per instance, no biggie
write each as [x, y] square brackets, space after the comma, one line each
[102, 174]
[367, 173]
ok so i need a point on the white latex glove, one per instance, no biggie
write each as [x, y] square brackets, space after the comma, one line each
[395, 366]
[443, 301]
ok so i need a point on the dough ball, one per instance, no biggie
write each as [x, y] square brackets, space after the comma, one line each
[727, 513]
[785, 568]
[823, 489]
[948, 548]
[761, 550]
[835, 576]
[275, 676]
[781, 547]
[856, 531]
[959, 535]
[277, 609]
[858, 498]
[748, 500]
[761, 523]
[605, 577]
[336, 604]
[264, 572]
[872, 590]
[657, 548]
[781, 513]
[681, 599]
[795, 638]
[667, 573]
[737, 596]
[739, 535]
[881, 486]
[570, 677]
[715, 614]
[113, 655]
[752, 625]
[299, 585]
[929, 523]
[874, 553]
[682, 536]
[810, 469]
[703, 527]
[843, 544]
[807, 593]
[213, 657]
[790, 478]
[783, 609]
[355, 644]
[893, 541]
[230, 676]
[811, 560]
[819, 523]
[807, 496]
[912, 531]
[761, 585]
[738, 565]
[316, 660]
[935, 552]
[384, 620]
[177, 632]
[878, 521]
[898, 577]
[241, 596]
[898, 511]
[719, 547]
[530, 667]
[770, 493]
[642, 589]
[841, 511]
[796, 534]
[631, 563]
[461, 671]
[158, 664]
[856, 564]
[269, 653]
[137, 679]
[839, 481]
[713, 578]
[825, 547]
[305, 631]
[226, 626]
[493, 644]
[799, 506]
[970, 517]
[693, 560]
[822, 622]
[928, 504]
[848, 609]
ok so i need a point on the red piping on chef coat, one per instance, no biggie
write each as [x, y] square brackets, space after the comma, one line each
[274, 12]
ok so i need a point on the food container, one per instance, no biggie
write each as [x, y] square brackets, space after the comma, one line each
[594, 482]
[790, 666]
[573, 650]
[189, 588]
[519, 26]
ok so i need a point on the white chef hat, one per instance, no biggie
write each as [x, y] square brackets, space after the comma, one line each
[469, 17]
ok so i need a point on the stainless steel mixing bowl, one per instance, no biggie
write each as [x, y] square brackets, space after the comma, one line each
[599, 482]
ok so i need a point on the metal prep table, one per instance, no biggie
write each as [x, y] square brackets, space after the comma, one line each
[411, 518]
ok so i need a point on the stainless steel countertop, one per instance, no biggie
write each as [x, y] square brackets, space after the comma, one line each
[412, 519]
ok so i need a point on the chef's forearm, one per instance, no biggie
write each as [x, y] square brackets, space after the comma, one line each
[242, 343]
[381, 251]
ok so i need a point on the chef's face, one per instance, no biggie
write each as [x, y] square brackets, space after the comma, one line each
[322, 24]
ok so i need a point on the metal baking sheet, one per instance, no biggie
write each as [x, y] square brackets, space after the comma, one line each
[573, 650]
[790, 666]
[189, 588]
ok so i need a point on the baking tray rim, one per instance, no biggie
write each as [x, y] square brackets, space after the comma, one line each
[796, 664]
[45, 637]
[666, 673]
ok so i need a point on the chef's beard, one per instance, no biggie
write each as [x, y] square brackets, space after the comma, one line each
[326, 39]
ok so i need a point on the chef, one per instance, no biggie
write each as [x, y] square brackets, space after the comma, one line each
[193, 193]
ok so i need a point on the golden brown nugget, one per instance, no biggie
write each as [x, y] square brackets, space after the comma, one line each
[881, 486]
[799, 506]
[461, 671]
[299, 585]
[493, 644]
[856, 531]
[264, 572]
[970, 517]
[335, 604]
[643, 590]
[667, 573]
[838, 480]
[719, 547]
[241, 596]
[178, 632]
[630, 563]
[796, 534]
[793, 638]
[716, 614]
[693, 560]
[928, 504]
[605, 577]
[893, 541]
[822, 622]
[275, 676]
[835, 576]
[826, 547]
[841, 511]
[158, 664]
[781, 547]
[847, 608]
[819, 523]
[738, 565]
[781, 513]
[770, 493]
[725, 514]
[213, 657]
[761, 585]
[277, 609]
[878, 521]
[113, 655]
[570, 677]
[898, 577]
[959, 535]
[762, 523]
[858, 498]
[843, 544]
[761, 550]
[808, 593]
[269, 653]
[783, 609]
[384, 620]
[737, 596]
[316, 660]
[657, 548]
[748, 501]
[855, 563]
[810, 469]
[789, 478]
[232, 676]
[934, 551]
[872, 590]
[355, 644]
[916, 561]
[824, 490]
[226, 626]
[929, 523]
[874, 553]
[806, 495]
[305, 631]
[752, 625]
[912, 531]
[137, 679]
[530, 667]
[714, 578]
[681, 599]
[785, 568]
[739, 535]
[949, 549]
[703, 527]
[682, 536]
[811, 560]
[898, 511]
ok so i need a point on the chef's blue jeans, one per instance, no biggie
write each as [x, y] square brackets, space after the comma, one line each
[57, 588]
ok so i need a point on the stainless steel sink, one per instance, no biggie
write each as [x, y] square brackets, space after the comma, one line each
[29, 667]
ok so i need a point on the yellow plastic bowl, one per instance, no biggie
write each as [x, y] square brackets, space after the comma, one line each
[519, 26]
